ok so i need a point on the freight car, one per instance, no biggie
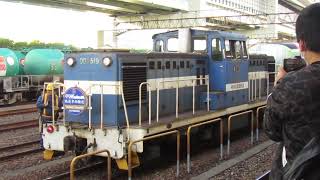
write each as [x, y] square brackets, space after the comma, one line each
[115, 99]
[22, 77]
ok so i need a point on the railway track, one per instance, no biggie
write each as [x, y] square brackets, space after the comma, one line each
[19, 153]
[18, 111]
[19, 125]
[160, 168]
[87, 168]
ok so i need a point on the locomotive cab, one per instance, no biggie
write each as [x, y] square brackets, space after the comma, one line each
[227, 64]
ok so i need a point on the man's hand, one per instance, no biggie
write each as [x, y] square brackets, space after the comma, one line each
[280, 75]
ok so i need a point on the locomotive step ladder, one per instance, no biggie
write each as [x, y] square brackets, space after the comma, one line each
[123, 162]
[47, 154]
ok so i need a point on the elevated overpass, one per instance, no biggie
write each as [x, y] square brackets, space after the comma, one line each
[132, 7]
[114, 7]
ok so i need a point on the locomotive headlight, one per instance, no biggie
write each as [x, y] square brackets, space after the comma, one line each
[10, 61]
[107, 61]
[71, 61]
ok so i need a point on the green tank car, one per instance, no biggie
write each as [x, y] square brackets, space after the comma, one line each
[44, 62]
[9, 63]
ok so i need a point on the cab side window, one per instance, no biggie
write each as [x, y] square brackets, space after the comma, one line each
[216, 49]
[233, 49]
[244, 49]
[159, 46]
[199, 45]
[151, 65]
[238, 49]
[228, 50]
[173, 44]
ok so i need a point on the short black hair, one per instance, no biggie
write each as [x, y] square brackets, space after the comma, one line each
[308, 27]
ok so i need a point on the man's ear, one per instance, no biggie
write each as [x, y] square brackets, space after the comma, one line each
[302, 45]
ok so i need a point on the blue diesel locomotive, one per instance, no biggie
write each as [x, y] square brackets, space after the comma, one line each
[112, 98]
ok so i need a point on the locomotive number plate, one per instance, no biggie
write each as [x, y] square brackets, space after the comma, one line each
[92, 60]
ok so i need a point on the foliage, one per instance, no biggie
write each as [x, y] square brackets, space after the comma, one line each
[25, 46]
[6, 43]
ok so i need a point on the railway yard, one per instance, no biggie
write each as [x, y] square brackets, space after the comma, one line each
[161, 90]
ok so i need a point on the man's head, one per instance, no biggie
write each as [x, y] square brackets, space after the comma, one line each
[308, 29]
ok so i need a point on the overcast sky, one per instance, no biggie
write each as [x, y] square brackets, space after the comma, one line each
[21, 22]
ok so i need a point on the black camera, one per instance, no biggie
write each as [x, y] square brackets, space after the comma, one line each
[293, 64]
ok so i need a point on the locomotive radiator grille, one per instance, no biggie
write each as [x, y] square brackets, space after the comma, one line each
[133, 74]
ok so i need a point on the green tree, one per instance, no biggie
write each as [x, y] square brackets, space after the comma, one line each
[6, 43]
[37, 44]
[20, 45]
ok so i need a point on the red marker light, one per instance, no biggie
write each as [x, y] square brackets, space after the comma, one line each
[50, 129]
[3, 65]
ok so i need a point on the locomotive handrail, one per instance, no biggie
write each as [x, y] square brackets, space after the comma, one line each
[257, 116]
[101, 103]
[252, 92]
[101, 108]
[193, 92]
[177, 93]
[260, 83]
[270, 73]
[189, 136]
[89, 111]
[90, 102]
[229, 125]
[55, 84]
[260, 87]
[75, 159]
[125, 112]
[149, 90]
[154, 137]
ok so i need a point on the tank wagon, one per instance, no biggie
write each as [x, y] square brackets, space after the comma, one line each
[22, 76]
[114, 99]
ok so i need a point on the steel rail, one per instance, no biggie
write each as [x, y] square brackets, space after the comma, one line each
[19, 145]
[65, 175]
[18, 125]
[18, 111]
[27, 152]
